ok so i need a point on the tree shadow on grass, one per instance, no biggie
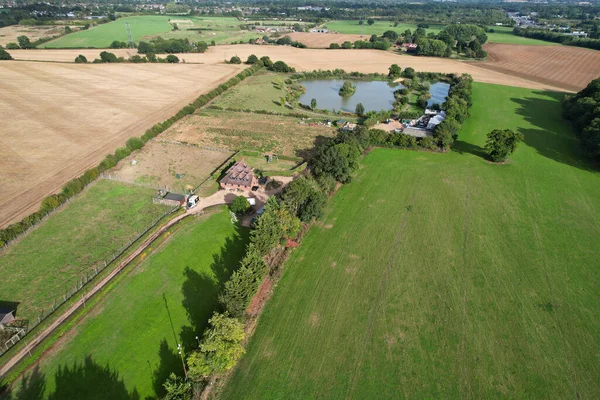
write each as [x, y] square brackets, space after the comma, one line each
[200, 290]
[552, 136]
[462, 147]
[170, 361]
[86, 380]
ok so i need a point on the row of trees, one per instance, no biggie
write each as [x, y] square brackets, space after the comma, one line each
[76, 185]
[160, 45]
[23, 42]
[549, 36]
[107, 57]
[583, 109]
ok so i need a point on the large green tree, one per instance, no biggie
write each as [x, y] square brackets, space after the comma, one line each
[501, 143]
[220, 349]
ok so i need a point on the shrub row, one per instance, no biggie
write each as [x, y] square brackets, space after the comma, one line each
[76, 185]
[549, 36]
[339, 74]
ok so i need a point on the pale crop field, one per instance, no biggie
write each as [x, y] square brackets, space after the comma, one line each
[61, 119]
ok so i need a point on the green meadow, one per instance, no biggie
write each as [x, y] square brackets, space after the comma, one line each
[445, 276]
[126, 346]
[39, 268]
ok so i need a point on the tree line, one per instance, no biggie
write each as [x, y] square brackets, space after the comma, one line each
[583, 110]
[549, 36]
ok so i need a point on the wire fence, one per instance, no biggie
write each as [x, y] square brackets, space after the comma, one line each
[85, 278]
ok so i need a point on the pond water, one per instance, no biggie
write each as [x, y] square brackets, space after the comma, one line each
[374, 95]
[438, 91]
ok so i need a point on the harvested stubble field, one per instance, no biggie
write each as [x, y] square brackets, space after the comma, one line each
[248, 131]
[567, 67]
[323, 40]
[9, 34]
[366, 61]
[41, 266]
[61, 119]
[159, 164]
[445, 276]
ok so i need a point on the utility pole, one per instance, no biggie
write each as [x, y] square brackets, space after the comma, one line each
[180, 349]
[129, 36]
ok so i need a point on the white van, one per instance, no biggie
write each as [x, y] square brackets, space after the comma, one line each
[192, 201]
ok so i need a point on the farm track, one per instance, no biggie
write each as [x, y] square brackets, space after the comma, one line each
[61, 119]
[81, 302]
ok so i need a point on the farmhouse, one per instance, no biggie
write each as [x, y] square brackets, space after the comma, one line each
[239, 176]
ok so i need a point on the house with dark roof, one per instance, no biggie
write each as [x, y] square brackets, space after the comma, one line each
[239, 176]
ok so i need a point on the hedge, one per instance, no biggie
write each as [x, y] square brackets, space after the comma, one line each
[76, 185]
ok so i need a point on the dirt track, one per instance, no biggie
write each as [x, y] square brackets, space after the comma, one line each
[568, 67]
[61, 119]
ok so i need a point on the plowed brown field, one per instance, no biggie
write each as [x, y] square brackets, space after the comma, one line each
[323, 40]
[60, 119]
[567, 67]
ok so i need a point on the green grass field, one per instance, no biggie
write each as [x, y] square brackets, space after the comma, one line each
[133, 332]
[258, 92]
[40, 267]
[102, 36]
[223, 30]
[445, 276]
[501, 34]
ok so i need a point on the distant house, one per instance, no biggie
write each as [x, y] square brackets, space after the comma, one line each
[319, 31]
[348, 127]
[436, 120]
[410, 47]
[239, 176]
[579, 34]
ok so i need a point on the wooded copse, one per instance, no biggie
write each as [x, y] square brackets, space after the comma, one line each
[583, 110]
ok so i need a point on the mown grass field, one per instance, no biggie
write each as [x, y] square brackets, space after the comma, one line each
[258, 92]
[445, 276]
[223, 30]
[101, 36]
[501, 34]
[44, 264]
[134, 330]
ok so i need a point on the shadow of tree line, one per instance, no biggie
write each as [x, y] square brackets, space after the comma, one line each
[200, 299]
[89, 380]
[551, 136]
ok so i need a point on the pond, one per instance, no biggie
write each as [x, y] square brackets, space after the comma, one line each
[374, 95]
[438, 92]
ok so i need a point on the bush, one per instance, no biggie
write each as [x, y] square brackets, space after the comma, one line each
[280, 66]
[4, 55]
[235, 60]
[12, 46]
[252, 59]
[134, 143]
[173, 59]
[240, 205]
[107, 57]
[80, 59]
[121, 153]
[502, 143]
[334, 46]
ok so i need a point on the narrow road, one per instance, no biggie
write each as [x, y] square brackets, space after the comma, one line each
[220, 197]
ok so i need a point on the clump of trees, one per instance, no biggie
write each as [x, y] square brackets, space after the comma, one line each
[252, 59]
[347, 89]
[465, 39]
[4, 55]
[81, 59]
[235, 60]
[501, 143]
[583, 110]
[457, 105]
[160, 45]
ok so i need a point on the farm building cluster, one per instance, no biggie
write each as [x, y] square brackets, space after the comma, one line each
[419, 127]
